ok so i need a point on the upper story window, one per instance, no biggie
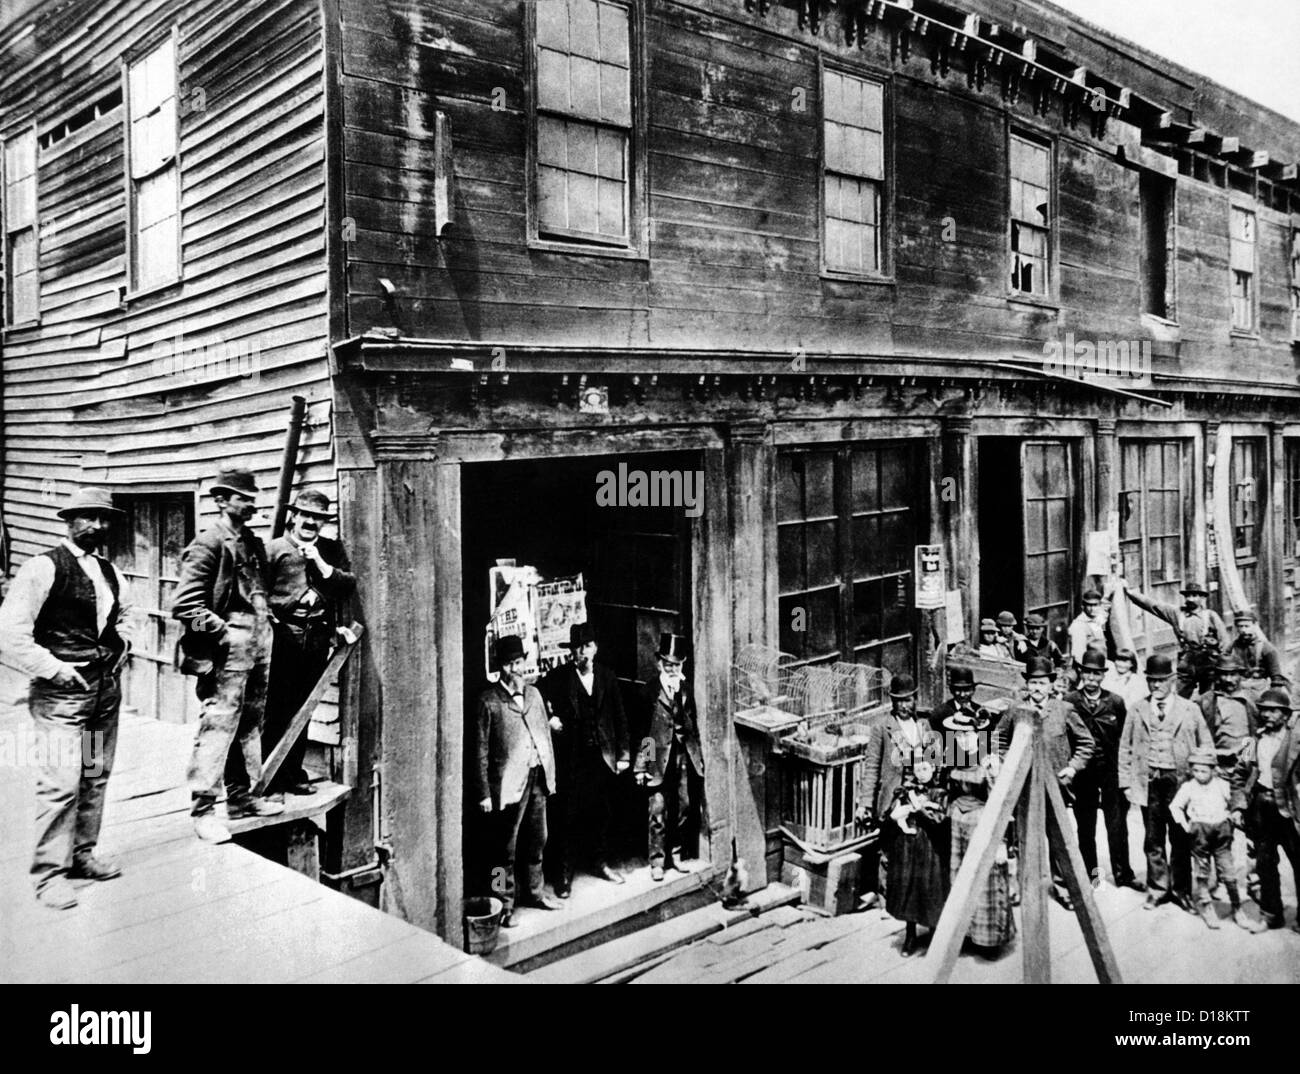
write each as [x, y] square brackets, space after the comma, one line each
[584, 113]
[153, 168]
[1156, 193]
[1031, 223]
[21, 279]
[1295, 284]
[853, 153]
[1242, 263]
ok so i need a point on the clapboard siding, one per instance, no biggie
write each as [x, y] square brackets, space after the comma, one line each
[732, 183]
[91, 394]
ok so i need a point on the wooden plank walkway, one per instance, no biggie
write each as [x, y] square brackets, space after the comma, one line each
[1164, 946]
[188, 911]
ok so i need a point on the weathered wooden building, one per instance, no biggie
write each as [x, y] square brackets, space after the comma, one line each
[884, 272]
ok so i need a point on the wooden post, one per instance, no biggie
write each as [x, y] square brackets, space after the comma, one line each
[1272, 601]
[303, 855]
[1036, 941]
[959, 512]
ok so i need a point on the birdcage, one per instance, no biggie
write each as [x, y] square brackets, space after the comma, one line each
[761, 690]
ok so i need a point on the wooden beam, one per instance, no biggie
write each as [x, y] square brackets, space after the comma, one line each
[1062, 839]
[1197, 136]
[1036, 942]
[1229, 145]
[972, 876]
[1259, 159]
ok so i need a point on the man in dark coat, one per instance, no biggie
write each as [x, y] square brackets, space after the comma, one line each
[591, 753]
[221, 598]
[1259, 657]
[1103, 713]
[515, 772]
[1229, 713]
[1070, 744]
[310, 578]
[669, 762]
[1266, 788]
[1200, 632]
[66, 623]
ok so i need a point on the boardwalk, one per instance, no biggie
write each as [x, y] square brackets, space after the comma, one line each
[187, 911]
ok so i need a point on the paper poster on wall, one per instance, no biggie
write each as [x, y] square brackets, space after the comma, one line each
[929, 576]
[538, 612]
[955, 619]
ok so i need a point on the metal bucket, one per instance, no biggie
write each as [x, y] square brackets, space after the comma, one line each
[482, 925]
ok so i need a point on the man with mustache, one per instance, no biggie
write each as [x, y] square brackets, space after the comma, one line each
[66, 623]
[1200, 632]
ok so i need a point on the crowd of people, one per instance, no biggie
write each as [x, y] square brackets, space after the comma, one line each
[1205, 744]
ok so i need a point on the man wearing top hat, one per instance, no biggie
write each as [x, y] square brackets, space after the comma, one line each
[310, 578]
[1228, 712]
[669, 762]
[591, 753]
[1266, 798]
[514, 774]
[1103, 713]
[66, 622]
[961, 700]
[1069, 743]
[1259, 657]
[221, 598]
[1154, 750]
[1200, 632]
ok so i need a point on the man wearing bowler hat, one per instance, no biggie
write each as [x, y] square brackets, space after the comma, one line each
[221, 598]
[669, 762]
[310, 578]
[514, 774]
[67, 624]
[1200, 632]
[591, 753]
[1103, 713]
[1155, 747]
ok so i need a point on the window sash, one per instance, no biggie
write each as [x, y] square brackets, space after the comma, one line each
[153, 167]
[18, 210]
[1031, 222]
[853, 173]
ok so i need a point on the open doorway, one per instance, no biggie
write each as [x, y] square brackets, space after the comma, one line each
[636, 568]
[1028, 529]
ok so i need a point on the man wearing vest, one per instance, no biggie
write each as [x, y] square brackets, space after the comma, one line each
[1154, 750]
[1229, 713]
[669, 762]
[221, 599]
[1200, 632]
[66, 624]
[1259, 657]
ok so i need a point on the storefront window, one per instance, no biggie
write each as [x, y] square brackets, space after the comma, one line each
[1155, 480]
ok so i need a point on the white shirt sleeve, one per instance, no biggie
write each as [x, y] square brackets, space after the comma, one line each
[31, 586]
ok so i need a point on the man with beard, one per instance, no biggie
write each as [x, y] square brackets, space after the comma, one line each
[1267, 792]
[1069, 744]
[1259, 657]
[591, 753]
[221, 599]
[1200, 631]
[1155, 748]
[1103, 712]
[309, 577]
[669, 762]
[66, 623]
[514, 774]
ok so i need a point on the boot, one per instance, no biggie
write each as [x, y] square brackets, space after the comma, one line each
[1208, 915]
[1243, 920]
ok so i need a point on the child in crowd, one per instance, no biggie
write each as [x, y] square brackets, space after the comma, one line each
[1201, 808]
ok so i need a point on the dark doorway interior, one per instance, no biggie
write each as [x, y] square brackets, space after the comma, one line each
[636, 567]
[1001, 527]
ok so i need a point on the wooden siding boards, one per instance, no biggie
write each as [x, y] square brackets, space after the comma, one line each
[91, 393]
[733, 179]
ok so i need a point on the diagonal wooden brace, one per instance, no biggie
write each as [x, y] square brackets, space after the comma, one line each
[303, 716]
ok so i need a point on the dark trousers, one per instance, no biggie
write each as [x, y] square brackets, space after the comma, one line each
[1274, 835]
[1172, 875]
[1101, 788]
[76, 739]
[580, 819]
[674, 809]
[1213, 843]
[524, 819]
[297, 661]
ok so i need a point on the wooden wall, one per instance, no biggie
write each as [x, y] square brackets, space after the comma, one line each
[733, 258]
[86, 397]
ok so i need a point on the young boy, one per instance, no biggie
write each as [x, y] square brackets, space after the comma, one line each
[1201, 808]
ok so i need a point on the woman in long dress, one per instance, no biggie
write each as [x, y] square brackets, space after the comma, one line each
[974, 771]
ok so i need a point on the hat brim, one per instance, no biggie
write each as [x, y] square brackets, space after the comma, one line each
[956, 723]
[1194, 592]
[72, 512]
[902, 697]
[214, 489]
